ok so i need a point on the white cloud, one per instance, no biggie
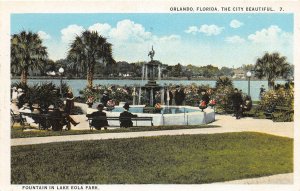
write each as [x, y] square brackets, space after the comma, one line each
[236, 24]
[131, 41]
[234, 39]
[210, 30]
[169, 38]
[127, 30]
[102, 29]
[43, 35]
[69, 33]
[192, 30]
[271, 35]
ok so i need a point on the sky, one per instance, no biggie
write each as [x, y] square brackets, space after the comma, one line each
[225, 39]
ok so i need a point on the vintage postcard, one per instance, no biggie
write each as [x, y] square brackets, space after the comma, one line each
[149, 95]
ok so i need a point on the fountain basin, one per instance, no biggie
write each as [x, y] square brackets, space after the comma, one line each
[174, 115]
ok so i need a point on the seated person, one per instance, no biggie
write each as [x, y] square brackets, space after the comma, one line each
[61, 119]
[204, 97]
[100, 122]
[247, 105]
[90, 101]
[57, 120]
[26, 109]
[127, 115]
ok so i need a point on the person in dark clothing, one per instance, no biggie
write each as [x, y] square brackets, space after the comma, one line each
[247, 104]
[100, 122]
[61, 119]
[105, 98]
[57, 120]
[171, 97]
[261, 91]
[237, 102]
[179, 96]
[21, 98]
[69, 102]
[205, 97]
[126, 115]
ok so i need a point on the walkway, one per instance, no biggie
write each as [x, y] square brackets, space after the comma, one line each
[227, 124]
[274, 179]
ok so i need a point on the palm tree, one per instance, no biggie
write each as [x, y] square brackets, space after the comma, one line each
[27, 53]
[88, 50]
[223, 81]
[272, 66]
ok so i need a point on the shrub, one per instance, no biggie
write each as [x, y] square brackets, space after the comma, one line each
[44, 94]
[193, 94]
[223, 98]
[223, 93]
[281, 96]
[115, 92]
[224, 81]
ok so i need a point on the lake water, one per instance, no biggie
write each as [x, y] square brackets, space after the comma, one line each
[77, 84]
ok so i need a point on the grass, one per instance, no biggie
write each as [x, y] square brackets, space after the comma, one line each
[16, 131]
[185, 159]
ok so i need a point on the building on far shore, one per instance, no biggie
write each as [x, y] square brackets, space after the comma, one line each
[239, 74]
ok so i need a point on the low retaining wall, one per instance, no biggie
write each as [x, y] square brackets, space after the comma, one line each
[192, 118]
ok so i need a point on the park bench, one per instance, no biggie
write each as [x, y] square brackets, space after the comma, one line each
[276, 111]
[136, 119]
[269, 112]
[17, 118]
[282, 112]
[44, 121]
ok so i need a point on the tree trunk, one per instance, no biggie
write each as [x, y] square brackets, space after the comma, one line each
[271, 84]
[24, 77]
[90, 78]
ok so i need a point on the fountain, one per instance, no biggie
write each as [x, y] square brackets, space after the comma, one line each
[151, 88]
[169, 114]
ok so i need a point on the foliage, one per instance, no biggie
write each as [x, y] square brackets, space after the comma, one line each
[225, 71]
[64, 88]
[44, 94]
[87, 50]
[272, 66]
[223, 81]
[282, 96]
[223, 97]
[184, 159]
[115, 92]
[193, 94]
[177, 70]
[27, 53]
[209, 71]
[224, 90]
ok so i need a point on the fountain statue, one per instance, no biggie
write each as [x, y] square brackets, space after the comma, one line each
[152, 72]
[151, 54]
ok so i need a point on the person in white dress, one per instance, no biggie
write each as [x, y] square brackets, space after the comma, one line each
[26, 109]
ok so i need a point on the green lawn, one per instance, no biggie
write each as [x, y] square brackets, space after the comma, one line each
[16, 131]
[185, 159]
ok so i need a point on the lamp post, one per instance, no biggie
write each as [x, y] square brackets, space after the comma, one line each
[61, 71]
[249, 77]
